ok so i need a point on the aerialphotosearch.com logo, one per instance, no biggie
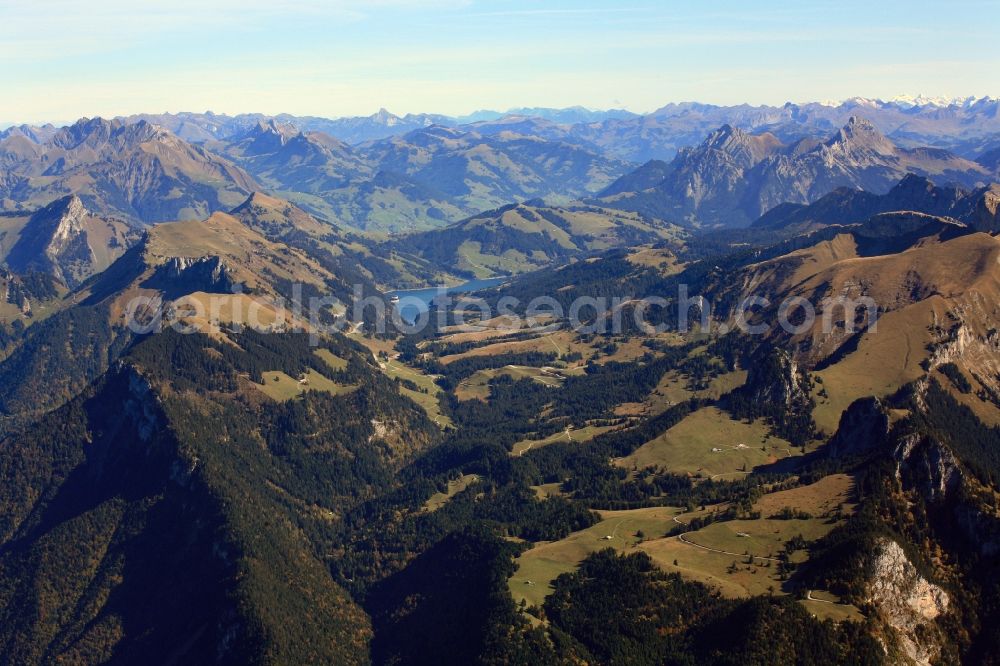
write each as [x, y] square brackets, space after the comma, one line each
[601, 315]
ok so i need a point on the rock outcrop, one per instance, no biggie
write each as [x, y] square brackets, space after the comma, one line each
[905, 601]
[928, 466]
[864, 426]
[183, 275]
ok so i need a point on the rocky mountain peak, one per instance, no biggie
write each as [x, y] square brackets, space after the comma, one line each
[384, 117]
[63, 216]
[733, 141]
[131, 136]
[211, 273]
[123, 169]
[71, 217]
[54, 240]
[276, 218]
[98, 133]
[35, 134]
[905, 598]
[257, 198]
[89, 131]
[140, 132]
[864, 425]
[918, 193]
[268, 126]
[726, 136]
[860, 134]
[269, 135]
[68, 241]
[911, 182]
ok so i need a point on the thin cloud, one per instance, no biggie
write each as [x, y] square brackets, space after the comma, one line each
[559, 12]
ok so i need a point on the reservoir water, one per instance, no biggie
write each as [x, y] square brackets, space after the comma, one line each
[413, 302]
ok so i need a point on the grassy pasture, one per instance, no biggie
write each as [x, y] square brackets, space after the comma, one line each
[831, 610]
[625, 352]
[280, 387]
[885, 360]
[730, 572]
[547, 490]
[818, 499]
[560, 342]
[471, 258]
[580, 435]
[710, 443]
[429, 400]
[707, 556]
[331, 359]
[479, 334]
[207, 312]
[762, 538]
[374, 345]
[477, 385]
[673, 389]
[661, 259]
[538, 567]
[455, 486]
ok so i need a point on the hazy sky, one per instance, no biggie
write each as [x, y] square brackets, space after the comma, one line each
[62, 59]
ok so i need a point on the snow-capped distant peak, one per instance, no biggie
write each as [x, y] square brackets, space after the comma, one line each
[908, 101]
[861, 101]
[926, 100]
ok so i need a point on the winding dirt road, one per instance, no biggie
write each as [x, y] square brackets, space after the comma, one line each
[681, 538]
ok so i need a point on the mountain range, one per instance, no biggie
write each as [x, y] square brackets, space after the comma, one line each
[427, 177]
[200, 127]
[138, 171]
[243, 494]
[968, 126]
[388, 173]
[979, 208]
[732, 177]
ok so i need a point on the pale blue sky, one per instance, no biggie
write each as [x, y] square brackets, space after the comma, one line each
[62, 59]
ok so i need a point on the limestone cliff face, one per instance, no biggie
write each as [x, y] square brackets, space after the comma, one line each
[905, 601]
[55, 241]
[779, 379]
[12, 292]
[863, 427]
[978, 353]
[68, 242]
[184, 275]
[927, 466]
[986, 213]
[931, 469]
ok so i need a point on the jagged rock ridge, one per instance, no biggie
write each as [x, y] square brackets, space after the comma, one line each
[733, 177]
